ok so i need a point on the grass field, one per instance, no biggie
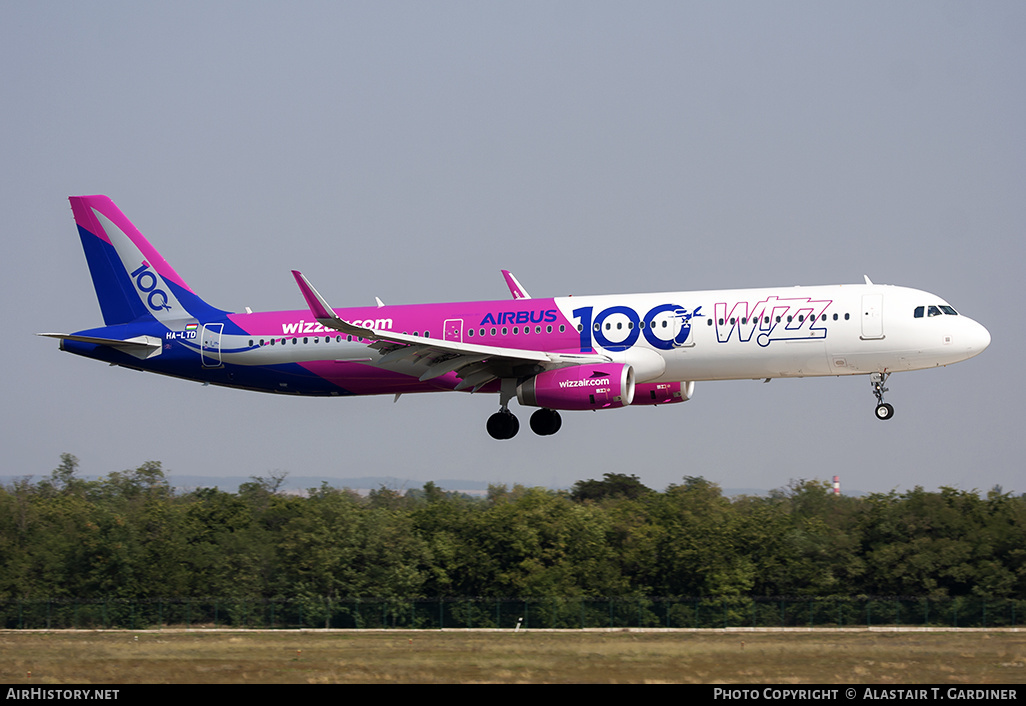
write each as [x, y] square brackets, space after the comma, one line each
[394, 656]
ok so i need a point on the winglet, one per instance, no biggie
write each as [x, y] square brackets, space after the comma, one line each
[314, 300]
[515, 289]
[323, 312]
[868, 281]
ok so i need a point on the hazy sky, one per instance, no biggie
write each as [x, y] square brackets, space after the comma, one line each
[410, 150]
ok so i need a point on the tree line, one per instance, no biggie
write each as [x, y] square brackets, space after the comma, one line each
[131, 536]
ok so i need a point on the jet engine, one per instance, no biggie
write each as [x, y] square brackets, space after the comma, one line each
[663, 392]
[588, 386]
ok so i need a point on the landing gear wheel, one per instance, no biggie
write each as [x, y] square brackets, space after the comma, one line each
[545, 422]
[883, 410]
[503, 425]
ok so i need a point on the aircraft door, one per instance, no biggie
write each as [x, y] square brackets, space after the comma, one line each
[210, 345]
[872, 316]
[453, 330]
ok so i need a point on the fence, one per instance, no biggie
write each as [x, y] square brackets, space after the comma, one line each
[568, 613]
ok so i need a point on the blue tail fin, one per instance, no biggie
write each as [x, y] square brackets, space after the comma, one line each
[131, 278]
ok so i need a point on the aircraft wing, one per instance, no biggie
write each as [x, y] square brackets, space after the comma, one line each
[474, 363]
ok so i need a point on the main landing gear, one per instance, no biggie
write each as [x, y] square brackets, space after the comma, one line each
[504, 425]
[883, 410]
[546, 422]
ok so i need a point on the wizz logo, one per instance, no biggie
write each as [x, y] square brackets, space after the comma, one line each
[772, 319]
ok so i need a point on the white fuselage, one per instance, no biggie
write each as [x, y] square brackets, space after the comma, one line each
[780, 332]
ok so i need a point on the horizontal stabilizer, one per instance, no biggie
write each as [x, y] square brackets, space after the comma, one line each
[141, 347]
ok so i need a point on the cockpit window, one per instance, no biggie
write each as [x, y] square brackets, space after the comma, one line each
[933, 310]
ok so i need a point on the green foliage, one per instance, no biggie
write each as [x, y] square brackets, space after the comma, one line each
[129, 536]
[612, 485]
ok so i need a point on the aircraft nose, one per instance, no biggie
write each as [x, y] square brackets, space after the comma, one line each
[979, 338]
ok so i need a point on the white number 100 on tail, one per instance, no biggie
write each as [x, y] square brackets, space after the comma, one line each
[556, 354]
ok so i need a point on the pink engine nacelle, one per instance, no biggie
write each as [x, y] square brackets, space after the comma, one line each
[580, 387]
[663, 392]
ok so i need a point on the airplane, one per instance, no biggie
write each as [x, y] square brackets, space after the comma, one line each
[556, 354]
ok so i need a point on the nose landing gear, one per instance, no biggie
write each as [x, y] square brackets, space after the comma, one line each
[883, 410]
